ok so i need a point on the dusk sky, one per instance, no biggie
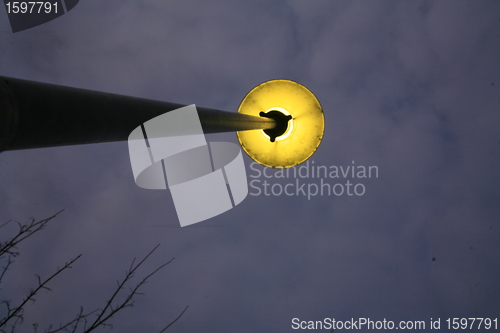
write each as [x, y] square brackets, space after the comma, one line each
[410, 87]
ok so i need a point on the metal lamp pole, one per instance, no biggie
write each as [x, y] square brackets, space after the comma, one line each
[36, 115]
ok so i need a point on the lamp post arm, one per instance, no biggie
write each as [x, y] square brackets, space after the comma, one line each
[36, 115]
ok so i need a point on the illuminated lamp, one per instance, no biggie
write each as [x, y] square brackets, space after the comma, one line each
[300, 123]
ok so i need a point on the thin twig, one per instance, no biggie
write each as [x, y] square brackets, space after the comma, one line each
[163, 330]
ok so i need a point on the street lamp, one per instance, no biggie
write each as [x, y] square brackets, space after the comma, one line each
[279, 123]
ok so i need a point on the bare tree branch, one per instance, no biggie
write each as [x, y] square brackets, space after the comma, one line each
[111, 309]
[73, 325]
[5, 268]
[80, 323]
[17, 311]
[25, 231]
[112, 306]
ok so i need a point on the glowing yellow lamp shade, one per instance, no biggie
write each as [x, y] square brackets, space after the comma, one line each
[302, 127]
